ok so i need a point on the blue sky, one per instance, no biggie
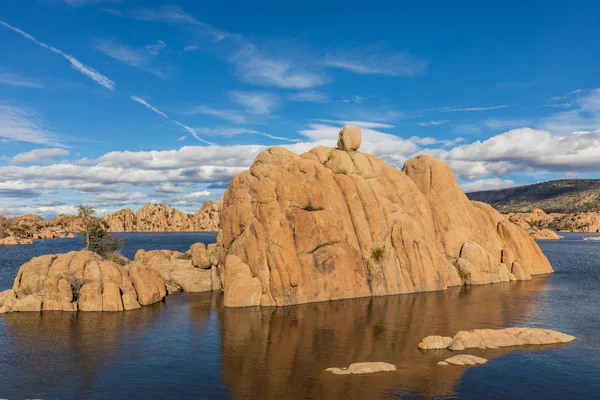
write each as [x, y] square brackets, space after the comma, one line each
[119, 103]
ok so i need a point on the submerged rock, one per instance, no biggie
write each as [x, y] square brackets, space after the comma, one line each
[337, 223]
[495, 338]
[463, 359]
[363, 368]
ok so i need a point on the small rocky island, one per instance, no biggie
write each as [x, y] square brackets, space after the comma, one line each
[330, 224]
[336, 223]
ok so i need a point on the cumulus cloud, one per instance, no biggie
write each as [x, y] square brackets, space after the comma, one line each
[76, 64]
[40, 155]
[487, 184]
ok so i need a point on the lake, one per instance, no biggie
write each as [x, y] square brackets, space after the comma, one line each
[190, 346]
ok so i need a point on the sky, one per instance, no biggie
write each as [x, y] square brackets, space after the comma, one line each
[118, 103]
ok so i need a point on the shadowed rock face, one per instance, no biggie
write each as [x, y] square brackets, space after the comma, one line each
[334, 224]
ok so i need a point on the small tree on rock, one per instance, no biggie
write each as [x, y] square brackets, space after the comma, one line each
[95, 233]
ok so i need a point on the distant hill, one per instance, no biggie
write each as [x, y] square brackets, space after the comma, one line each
[560, 196]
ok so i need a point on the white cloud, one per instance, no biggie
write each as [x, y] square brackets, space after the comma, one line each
[285, 63]
[310, 96]
[192, 131]
[360, 124]
[585, 115]
[19, 125]
[468, 109]
[16, 80]
[76, 64]
[39, 155]
[256, 103]
[467, 128]
[433, 123]
[156, 49]
[374, 60]
[487, 184]
[228, 115]
[146, 104]
[257, 67]
[138, 58]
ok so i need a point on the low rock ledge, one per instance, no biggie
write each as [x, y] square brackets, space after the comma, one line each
[495, 338]
[363, 368]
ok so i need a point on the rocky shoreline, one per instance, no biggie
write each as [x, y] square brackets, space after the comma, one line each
[84, 281]
[149, 218]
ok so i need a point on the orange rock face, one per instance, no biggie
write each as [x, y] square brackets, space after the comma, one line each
[334, 224]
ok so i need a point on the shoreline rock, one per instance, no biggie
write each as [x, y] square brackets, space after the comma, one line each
[335, 224]
[495, 338]
[462, 360]
[362, 368]
[84, 281]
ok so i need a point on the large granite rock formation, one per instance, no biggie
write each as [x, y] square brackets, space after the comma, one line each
[337, 223]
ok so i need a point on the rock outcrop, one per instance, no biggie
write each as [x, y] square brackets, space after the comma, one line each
[149, 218]
[11, 241]
[463, 359]
[592, 238]
[78, 280]
[164, 218]
[537, 219]
[335, 224]
[179, 271]
[84, 281]
[362, 368]
[495, 338]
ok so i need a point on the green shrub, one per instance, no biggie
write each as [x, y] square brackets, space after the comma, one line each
[378, 254]
[185, 256]
[463, 274]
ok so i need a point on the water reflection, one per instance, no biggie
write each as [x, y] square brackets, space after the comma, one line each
[192, 347]
[281, 353]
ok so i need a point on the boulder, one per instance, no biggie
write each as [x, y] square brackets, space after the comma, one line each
[496, 338]
[463, 359]
[545, 234]
[200, 256]
[149, 287]
[350, 138]
[176, 270]
[435, 342]
[334, 224]
[363, 368]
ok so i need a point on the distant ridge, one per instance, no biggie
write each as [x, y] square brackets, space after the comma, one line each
[560, 196]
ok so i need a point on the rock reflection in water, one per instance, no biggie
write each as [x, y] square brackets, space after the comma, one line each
[282, 353]
[58, 354]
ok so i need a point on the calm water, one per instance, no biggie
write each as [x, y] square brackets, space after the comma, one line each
[191, 347]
